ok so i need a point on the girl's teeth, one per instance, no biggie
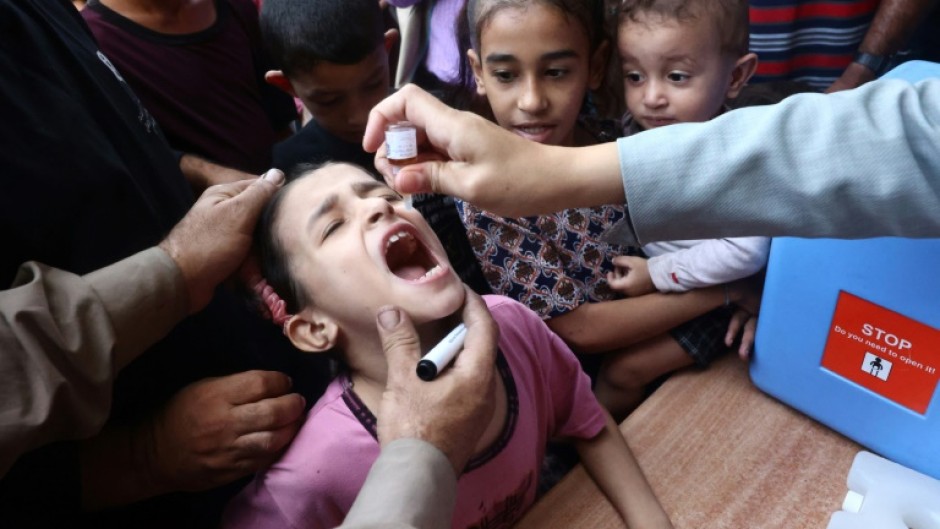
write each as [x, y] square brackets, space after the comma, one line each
[396, 237]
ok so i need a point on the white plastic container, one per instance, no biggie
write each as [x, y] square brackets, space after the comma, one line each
[886, 495]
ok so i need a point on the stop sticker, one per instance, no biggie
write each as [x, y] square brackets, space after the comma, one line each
[883, 351]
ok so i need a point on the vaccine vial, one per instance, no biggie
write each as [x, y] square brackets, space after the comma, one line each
[401, 142]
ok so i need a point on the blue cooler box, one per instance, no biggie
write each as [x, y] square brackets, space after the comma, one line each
[849, 334]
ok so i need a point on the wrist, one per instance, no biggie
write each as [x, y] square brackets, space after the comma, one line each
[171, 247]
[586, 176]
[117, 468]
[198, 285]
[877, 64]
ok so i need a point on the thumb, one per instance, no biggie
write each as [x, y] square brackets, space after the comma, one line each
[399, 341]
[256, 195]
[251, 200]
[428, 177]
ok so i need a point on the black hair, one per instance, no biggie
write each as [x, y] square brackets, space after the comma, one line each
[476, 14]
[272, 256]
[298, 34]
[589, 14]
[730, 17]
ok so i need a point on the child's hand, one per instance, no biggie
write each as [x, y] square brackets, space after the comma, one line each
[745, 323]
[746, 294]
[631, 276]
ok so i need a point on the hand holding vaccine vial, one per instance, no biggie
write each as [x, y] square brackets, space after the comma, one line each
[401, 142]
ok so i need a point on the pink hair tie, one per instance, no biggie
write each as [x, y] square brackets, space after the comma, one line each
[273, 306]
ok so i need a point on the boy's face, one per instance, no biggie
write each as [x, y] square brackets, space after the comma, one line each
[340, 96]
[673, 71]
[534, 68]
[355, 248]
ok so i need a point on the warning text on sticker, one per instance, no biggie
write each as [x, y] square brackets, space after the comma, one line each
[884, 351]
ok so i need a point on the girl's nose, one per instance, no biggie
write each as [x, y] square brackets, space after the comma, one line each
[377, 208]
[532, 100]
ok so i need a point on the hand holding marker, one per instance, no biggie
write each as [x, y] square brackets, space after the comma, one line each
[442, 354]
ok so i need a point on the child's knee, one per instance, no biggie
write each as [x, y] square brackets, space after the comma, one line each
[626, 374]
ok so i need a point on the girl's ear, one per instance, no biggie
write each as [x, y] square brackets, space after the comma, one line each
[477, 66]
[313, 332]
[744, 68]
[598, 66]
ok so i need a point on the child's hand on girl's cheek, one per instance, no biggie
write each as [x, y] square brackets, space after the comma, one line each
[631, 276]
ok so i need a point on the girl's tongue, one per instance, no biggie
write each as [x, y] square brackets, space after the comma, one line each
[407, 258]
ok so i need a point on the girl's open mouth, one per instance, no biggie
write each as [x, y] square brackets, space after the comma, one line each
[408, 258]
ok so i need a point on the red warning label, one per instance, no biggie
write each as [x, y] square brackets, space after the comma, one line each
[883, 351]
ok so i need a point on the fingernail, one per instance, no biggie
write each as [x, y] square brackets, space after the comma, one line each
[275, 176]
[389, 318]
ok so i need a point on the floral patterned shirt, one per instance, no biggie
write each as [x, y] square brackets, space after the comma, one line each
[550, 263]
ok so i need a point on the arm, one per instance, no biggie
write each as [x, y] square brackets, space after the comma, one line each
[855, 164]
[424, 491]
[770, 170]
[62, 337]
[215, 430]
[203, 174]
[212, 432]
[608, 325]
[467, 156]
[709, 262]
[428, 430]
[894, 23]
[610, 462]
[65, 337]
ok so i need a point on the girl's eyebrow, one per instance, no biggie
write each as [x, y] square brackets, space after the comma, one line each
[550, 56]
[323, 209]
[359, 188]
[560, 54]
[500, 57]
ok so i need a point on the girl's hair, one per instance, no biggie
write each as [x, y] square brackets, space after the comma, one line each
[272, 255]
[476, 14]
[588, 13]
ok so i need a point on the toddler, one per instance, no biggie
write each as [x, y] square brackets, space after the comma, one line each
[682, 59]
[337, 245]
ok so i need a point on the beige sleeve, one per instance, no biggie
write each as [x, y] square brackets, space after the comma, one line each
[411, 485]
[63, 338]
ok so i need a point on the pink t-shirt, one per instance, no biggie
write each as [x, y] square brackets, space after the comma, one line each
[316, 481]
